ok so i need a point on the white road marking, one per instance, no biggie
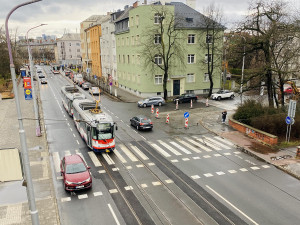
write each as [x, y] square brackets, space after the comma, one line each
[129, 167]
[74, 135]
[220, 173]
[108, 159]
[207, 143]
[243, 169]
[265, 166]
[188, 145]
[224, 140]
[56, 161]
[101, 171]
[71, 129]
[117, 117]
[67, 199]
[169, 147]
[160, 150]
[120, 156]
[255, 168]
[144, 185]
[208, 175]
[169, 181]
[127, 188]
[112, 191]
[227, 153]
[198, 144]
[206, 156]
[115, 169]
[82, 196]
[196, 157]
[195, 177]
[151, 164]
[180, 147]
[217, 143]
[68, 124]
[140, 166]
[67, 153]
[185, 159]
[77, 142]
[232, 171]
[156, 183]
[224, 199]
[142, 155]
[59, 178]
[174, 160]
[114, 215]
[98, 193]
[94, 159]
[217, 155]
[128, 153]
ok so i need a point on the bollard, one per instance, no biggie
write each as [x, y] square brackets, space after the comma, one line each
[168, 119]
[298, 152]
[152, 109]
[207, 102]
[157, 112]
[176, 104]
[191, 103]
[186, 123]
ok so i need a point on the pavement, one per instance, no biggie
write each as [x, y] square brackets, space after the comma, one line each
[13, 199]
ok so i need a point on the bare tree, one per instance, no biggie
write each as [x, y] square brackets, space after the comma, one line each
[273, 34]
[162, 44]
[213, 46]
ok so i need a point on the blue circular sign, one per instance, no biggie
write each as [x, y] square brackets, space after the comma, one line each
[288, 120]
[186, 115]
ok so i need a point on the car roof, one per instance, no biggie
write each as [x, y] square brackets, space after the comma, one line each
[142, 116]
[72, 159]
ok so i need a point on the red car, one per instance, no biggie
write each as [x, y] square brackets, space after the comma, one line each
[76, 174]
[288, 90]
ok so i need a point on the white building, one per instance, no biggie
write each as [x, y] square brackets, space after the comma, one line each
[68, 49]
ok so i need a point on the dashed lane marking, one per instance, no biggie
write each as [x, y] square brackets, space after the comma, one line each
[82, 196]
[67, 199]
[99, 193]
[113, 191]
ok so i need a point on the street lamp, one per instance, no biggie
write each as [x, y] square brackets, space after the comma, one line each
[242, 78]
[36, 112]
[25, 158]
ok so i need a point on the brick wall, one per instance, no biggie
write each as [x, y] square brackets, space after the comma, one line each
[259, 135]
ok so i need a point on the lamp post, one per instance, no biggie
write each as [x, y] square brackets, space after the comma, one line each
[35, 106]
[242, 78]
[25, 158]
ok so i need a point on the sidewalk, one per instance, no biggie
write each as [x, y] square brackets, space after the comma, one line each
[13, 198]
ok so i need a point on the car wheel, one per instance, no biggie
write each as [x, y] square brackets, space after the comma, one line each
[232, 96]
[137, 127]
[219, 98]
[159, 104]
[145, 105]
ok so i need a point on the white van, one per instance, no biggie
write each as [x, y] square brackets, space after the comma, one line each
[94, 90]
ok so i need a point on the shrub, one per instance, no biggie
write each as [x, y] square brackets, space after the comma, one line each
[248, 110]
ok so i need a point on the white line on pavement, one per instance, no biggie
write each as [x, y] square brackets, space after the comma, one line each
[94, 159]
[56, 161]
[114, 215]
[128, 153]
[169, 147]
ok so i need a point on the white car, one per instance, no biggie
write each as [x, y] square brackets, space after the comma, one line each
[222, 94]
[94, 90]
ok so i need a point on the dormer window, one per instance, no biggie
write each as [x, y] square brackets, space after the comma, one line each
[189, 20]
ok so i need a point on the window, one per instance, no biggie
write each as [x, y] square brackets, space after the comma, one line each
[138, 59]
[209, 39]
[158, 59]
[157, 18]
[189, 20]
[132, 59]
[137, 19]
[132, 40]
[157, 39]
[158, 79]
[123, 58]
[77, 44]
[70, 44]
[191, 39]
[190, 91]
[78, 50]
[206, 77]
[208, 58]
[190, 78]
[137, 39]
[191, 58]
[128, 59]
[127, 41]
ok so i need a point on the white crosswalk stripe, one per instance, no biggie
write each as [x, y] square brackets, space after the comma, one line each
[188, 145]
[180, 147]
[197, 144]
[128, 153]
[67, 153]
[169, 147]
[159, 149]
[56, 161]
[94, 159]
[108, 159]
[224, 140]
[137, 151]
[217, 143]
[120, 156]
[207, 143]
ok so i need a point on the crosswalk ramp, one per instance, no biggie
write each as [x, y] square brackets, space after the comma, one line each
[194, 147]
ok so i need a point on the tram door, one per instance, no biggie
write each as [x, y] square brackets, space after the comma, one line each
[89, 135]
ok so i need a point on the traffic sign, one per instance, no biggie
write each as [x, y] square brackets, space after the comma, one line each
[87, 70]
[288, 120]
[28, 94]
[292, 108]
[186, 115]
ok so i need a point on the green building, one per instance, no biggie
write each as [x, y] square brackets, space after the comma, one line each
[187, 73]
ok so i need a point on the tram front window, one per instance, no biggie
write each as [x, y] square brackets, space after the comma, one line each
[104, 131]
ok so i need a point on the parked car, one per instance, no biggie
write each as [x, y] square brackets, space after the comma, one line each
[75, 172]
[67, 73]
[94, 90]
[44, 81]
[288, 90]
[41, 75]
[86, 85]
[186, 98]
[151, 101]
[141, 122]
[222, 94]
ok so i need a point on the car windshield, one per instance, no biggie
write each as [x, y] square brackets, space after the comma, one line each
[104, 131]
[75, 168]
[145, 120]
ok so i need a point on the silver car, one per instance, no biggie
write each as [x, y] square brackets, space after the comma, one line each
[151, 101]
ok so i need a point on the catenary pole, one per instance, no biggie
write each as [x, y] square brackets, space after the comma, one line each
[25, 158]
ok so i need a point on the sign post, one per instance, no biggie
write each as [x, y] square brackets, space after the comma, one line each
[290, 119]
[186, 116]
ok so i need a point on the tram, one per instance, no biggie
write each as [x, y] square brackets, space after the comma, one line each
[70, 93]
[95, 126]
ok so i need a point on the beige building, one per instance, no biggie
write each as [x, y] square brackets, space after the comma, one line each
[68, 49]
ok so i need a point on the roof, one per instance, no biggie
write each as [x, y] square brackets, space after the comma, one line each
[70, 37]
[124, 15]
[93, 18]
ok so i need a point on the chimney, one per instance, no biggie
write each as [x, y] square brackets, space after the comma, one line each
[191, 3]
[136, 4]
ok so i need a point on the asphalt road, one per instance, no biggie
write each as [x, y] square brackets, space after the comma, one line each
[166, 176]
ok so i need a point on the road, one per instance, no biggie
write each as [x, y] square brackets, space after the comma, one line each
[163, 176]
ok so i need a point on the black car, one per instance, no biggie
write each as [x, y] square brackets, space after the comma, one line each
[186, 98]
[141, 122]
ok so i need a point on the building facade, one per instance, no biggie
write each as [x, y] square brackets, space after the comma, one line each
[189, 76]
[68, 49]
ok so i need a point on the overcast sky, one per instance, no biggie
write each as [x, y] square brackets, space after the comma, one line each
[65, 15]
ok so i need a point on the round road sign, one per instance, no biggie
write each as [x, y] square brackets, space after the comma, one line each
[186, 115]
[288, 120]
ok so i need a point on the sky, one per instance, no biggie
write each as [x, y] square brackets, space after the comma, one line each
[64, 16]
